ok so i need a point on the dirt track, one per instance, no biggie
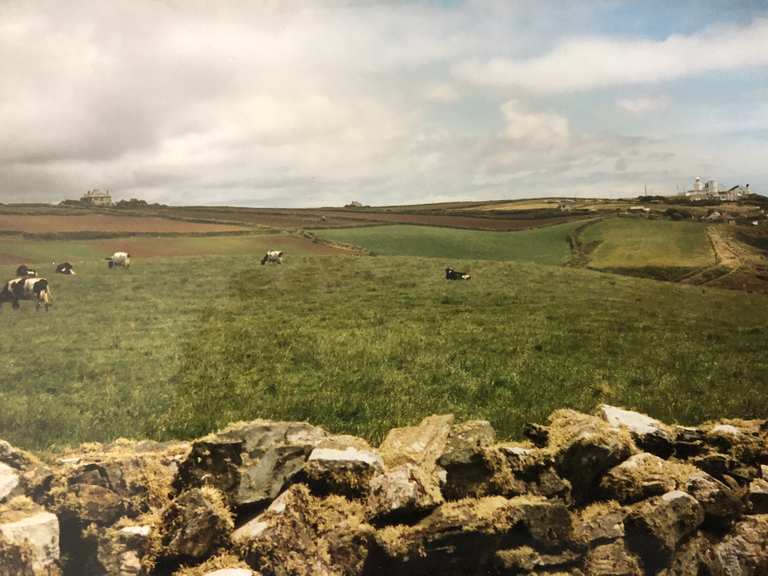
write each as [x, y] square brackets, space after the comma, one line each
[105, 223]
[726, 251]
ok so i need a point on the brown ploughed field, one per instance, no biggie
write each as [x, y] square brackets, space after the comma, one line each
[46, 223]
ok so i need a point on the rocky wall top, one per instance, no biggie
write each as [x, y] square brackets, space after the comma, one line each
[614, 492]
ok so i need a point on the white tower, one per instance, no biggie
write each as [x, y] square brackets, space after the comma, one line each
[697, 185]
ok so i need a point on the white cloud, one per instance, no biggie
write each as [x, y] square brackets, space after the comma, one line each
[642, 105]
[596, 62]
[442, 93]
[540, 129]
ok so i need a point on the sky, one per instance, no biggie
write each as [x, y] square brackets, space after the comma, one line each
[306, 103]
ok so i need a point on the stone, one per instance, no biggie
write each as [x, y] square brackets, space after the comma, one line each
[346, 471]
[122, 551]
[743, 439]
[9, 480]
[462, 537]
[421, 445]
[302, 535]
[757, 496]
[29, 539]
[537, 434]
[472, 467]
[649, 434]
[612, 559]
[195, 524]
[692, 558]
[599, 523]
[104, 483]
[16, 458]
[536, 468]
[715, 464]
[655, 527]
[525, 559]
[231, 572]
[688, 441]
[640, 476]
[95, 504]
[721, 504]
[249, 462]
[587, 456]
[20, 473]
[402, 493]
[744, 551]
[470, 435]
[473, 473]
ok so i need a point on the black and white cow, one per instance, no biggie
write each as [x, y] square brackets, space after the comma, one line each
[25, 271]
[451, 274]
[273, 256]
[65, 268]
[119, 260]
[27, 288]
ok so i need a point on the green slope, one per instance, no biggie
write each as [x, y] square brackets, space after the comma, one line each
[637, 243]
[546, 245]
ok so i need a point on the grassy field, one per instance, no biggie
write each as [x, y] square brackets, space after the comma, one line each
[640, 243]
[547, 245]
[176, 347]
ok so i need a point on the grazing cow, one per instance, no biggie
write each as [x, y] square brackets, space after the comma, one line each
[66, 268]
[451, 274]
[119, 260]
[25, 271]
[27, 288]
[273, 256]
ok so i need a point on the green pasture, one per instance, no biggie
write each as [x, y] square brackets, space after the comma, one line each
[176, 347]
[624, 243]
[546, 245]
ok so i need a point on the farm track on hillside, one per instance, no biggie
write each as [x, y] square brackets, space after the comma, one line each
[579, 251]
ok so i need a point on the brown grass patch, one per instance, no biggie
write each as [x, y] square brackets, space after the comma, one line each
[47, 223]
[452, 221]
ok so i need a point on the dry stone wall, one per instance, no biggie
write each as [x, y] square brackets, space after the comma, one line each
[610, 493]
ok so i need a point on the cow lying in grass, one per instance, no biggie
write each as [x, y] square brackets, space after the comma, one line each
[451, 274]
[27, 288]
[65, 268]
[273, 256]
[119, 260]
[24, 271]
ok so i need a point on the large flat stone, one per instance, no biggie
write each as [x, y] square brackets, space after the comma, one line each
[421, 445]
[650, 434]
[38, 533]
[9, 480]
[249, 462]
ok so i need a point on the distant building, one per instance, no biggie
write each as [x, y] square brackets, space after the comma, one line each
[711, 191]
[96, 197]
[697, 187]
[735, 193]
[354, 204]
